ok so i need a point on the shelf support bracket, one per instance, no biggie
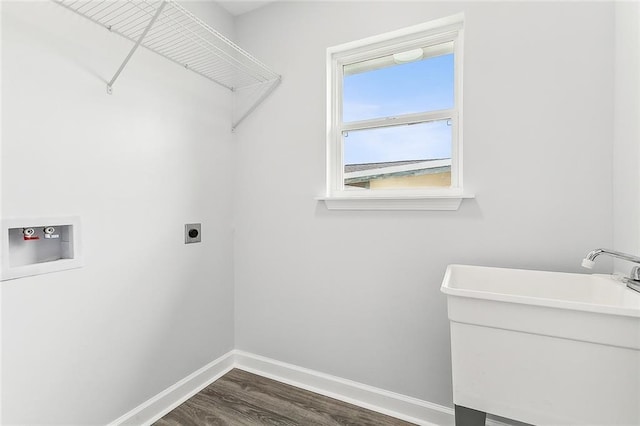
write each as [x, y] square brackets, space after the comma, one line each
[135, 47]
[265, 95]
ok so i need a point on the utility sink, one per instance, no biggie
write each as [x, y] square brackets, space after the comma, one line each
[544, 347]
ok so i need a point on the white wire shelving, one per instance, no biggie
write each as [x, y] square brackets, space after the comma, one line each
[170, 30]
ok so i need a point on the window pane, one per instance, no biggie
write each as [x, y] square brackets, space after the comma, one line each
[391, 89]
[409, 156]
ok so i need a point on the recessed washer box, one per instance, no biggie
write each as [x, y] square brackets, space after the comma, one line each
[34, 246]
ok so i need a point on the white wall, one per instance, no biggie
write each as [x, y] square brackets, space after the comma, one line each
[626, 145]
[356, 294]
[85, 346]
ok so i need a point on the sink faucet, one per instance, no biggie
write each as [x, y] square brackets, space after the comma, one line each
[633, 280]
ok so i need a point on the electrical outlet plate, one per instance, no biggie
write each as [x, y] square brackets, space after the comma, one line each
[192, 233]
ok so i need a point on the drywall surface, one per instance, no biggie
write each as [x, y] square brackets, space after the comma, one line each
[357, 293]
[626, 147]
[85, 346]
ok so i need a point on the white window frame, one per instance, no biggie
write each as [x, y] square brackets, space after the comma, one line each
[444, 30]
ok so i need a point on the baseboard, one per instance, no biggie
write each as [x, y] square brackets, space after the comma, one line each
[393, 404]
[154, 408]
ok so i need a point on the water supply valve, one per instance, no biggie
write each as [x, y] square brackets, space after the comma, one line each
[29, 234]
[49, 232]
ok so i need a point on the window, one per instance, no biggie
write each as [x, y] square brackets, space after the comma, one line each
[394, 119]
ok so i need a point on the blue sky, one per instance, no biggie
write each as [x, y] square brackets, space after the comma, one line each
[419, 86]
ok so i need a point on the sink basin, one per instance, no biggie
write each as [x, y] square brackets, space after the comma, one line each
[592, 293]
[544, 347]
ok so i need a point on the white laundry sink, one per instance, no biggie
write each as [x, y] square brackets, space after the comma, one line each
[544, 347]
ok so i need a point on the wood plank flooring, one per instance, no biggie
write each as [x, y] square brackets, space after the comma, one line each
[245, 399]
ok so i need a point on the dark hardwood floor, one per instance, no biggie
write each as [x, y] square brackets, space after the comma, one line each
[241, 398]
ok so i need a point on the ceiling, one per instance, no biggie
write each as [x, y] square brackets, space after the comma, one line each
[238, 7]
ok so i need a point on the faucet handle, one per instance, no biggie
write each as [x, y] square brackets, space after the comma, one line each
[635, 273]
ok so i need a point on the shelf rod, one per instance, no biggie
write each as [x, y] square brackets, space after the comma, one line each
[135, 47]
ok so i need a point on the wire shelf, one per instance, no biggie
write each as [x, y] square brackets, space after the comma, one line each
[173, 32]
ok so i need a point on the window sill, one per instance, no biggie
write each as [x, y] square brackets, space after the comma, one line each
[417, 202]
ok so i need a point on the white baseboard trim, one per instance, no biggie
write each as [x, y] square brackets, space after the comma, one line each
[403, 407]
[393, 404]
[154, 408]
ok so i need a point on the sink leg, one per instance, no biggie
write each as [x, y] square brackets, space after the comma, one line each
[469, 417]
